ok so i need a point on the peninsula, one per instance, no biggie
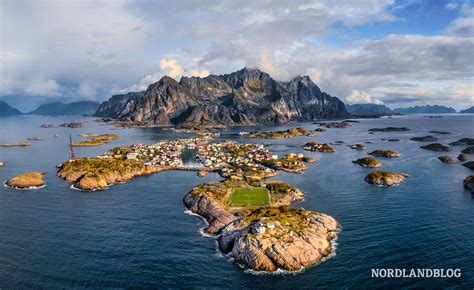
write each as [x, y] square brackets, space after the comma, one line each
[252, 218]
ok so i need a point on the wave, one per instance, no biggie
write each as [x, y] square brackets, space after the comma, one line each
[201, 230]
[25, 188]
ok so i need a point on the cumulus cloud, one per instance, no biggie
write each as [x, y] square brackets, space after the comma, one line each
[361, 97]
[86, 49]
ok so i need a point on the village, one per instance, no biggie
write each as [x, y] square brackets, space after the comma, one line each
[229, 158]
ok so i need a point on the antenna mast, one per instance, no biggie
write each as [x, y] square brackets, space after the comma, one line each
[72, 157]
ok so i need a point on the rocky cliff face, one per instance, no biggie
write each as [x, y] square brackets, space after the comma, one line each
[248, 96]
[118, 105]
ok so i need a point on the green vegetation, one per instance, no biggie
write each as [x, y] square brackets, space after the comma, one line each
[367, 162]
[21, 144]
[256, 196]
[95, 139]
[293, 132]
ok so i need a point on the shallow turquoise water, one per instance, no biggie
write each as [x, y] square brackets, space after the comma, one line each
[138, 234]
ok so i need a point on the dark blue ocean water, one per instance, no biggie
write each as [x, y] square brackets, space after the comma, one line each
[138, 234]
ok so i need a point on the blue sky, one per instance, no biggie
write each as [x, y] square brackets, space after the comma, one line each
[398, 53]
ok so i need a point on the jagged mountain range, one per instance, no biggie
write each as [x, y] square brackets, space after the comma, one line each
[248, 96]
[427, 109]
[369, 110]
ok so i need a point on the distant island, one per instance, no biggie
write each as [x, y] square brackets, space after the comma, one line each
[244, 97]
[83, 108]
[369, 110]
[428, 109]
[6, 110]
[468, 110]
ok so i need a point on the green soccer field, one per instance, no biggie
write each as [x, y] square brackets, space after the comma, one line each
[249, 196]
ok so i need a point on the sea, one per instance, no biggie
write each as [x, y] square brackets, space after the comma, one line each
[139, 234]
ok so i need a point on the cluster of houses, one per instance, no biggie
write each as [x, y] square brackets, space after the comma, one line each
[222, 156]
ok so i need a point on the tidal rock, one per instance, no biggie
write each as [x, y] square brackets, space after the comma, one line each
[463, 157]
[385, 153]
[337, 125]
[436, 147]
[393, 140]
[27, 180]
[2, 164]
[357, 146]
[385, 178]
[72, 125]
[427, 138]
[447, 159]
[389, 129]
[463, 142]
[440, 132]
[469, 164]
[368, 162]
[320, 130]
[468, 150]
[469, 183]
[315, 147]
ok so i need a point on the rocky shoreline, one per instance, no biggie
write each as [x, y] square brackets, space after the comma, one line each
[27, 180]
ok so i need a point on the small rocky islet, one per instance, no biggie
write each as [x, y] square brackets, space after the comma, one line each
[469, 164]
[468, 150]
[390, 129]
[385, 178]
[20, 144]
[463, 142]
[437, 147]
[368, 162]
[385, 153]
[427, 138]
[447, 159]
[469, 183]
[316, 147]
[27, 180]
[94, 139]
[463, 157]
[293, 132]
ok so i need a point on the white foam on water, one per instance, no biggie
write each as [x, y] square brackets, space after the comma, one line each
[25, 188]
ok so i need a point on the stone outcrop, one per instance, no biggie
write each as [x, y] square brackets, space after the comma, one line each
[468, 150]
[427, 138]
[447, 159]
[463, 142]
[368, 162]
[96, 173]
[385, 178]
[248, 96]
[275, 238]
[469, 183]
[27, 180]
[385, 153]
[463, 157]
[389, 129]
[436, 147]
[469, 164]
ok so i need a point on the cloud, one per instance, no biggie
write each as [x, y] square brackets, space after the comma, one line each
[361, 97]
[451, 6]
[171, 64]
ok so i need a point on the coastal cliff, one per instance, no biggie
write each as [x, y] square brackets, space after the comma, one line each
[248, 96]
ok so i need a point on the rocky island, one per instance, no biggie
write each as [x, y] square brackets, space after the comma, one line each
[385, 178]
[264, 238]
[469, 183]
[357, 146]
[463, 157]
[385, 153]
[20, 144]
[99, 173]
[315, 147]
[389, 129]
[436, 147]
[337, 125]
[427, 138]
[95, 139]
[368, 162]
[293, 132]
[463, 142]
[469, 164]
[468, 150]
[447, 159]
[27, 180]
